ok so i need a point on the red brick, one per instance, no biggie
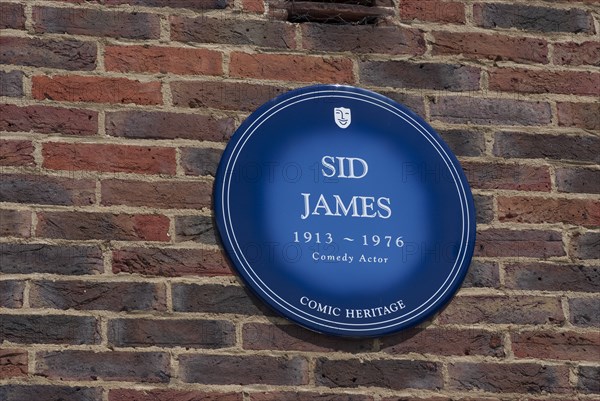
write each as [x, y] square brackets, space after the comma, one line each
[432, 11]
[583, 212]
[527, 378]
[367, 39]
[104, 226]
[389, 374]
[48, 120]
[52, 259]
[66, 54]
[586, 245]
[263, 336]
[580, 115]
[13, 362]
[188, 333]
[170, 262]
[71, 88]
[14, 392]
[214, 298]
[571, 53]
[155, 59]
[306, 396]
[11, 293]
[493, 309]
[567, 345]
[171, 395]
[587, 379]
[444, 341]
[96, 295]
[200, 5]
[507, 176]
[144, 367]
[157, 194]
[298, 68]
[544, 81]
[11, 83]
[196, 228]
[93, 22]
[37, 189]
[109, 158]
[406, 74]
[552, 277]
[254, 6]
[541, 146]
[15, 223]
[243, 369]
[500, 242]
[486, 111]
[578, 180]
[495, 47]
[16, 153]
[49, 329]
[229, 31]
[162, 125]
[12, 16]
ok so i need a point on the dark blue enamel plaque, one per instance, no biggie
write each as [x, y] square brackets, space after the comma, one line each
[344, 211]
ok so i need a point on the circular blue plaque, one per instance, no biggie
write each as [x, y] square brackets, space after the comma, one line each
[344, 211]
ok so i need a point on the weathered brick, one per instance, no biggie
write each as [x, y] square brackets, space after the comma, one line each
[367, 39]
[432, 11]
[507, 176]
[53, 259]
[243, 369]
[11, 83]
[567, 345]
[580, 115]
[71, 88]
[200, 161]
[144, 367]
[537, 146]
[200, 5]
[275, 34]
[49, 329]
[170, 262]
[11, 293]
[306, 396]
[159, 194]
[482, 274]
[105, 226]
[196, 228]
[94, 295]
[585, 312]
[413, 102]
[390, 374]
[495, 47]
[583, 212]
[48, 120]
[162, 125]
[68, 54]
[544, 81]
[485, 111]
[464, 142]
[571, 53]
[15, 223]
[214, 298]
[263, 336]
[298, 68]
[16, 153]
[36, 189]
[253, 6]
[587, 379]
[109, 158]
[12, 16]
[500, 242]
[223, 95]
[13, 363]
[552, 277]
[155, 59]
[586, 245]
[171, 395]
[532, 18]
[484, 208]
[528, 378]
[171, 333]
[93, 22]
[492, 309]
[578, 180]
[18, 392]
[406, 74]
[444, 341]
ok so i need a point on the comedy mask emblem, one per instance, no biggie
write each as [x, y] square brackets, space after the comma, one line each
[342, 117]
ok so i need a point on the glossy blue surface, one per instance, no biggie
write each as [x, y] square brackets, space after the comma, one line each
[344, 211]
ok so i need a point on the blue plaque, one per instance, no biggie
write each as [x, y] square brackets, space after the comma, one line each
[344, 211]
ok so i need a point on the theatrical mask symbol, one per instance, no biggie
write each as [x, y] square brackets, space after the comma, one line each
[342, 117]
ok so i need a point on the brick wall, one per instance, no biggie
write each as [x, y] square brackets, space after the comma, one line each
[113, 117]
